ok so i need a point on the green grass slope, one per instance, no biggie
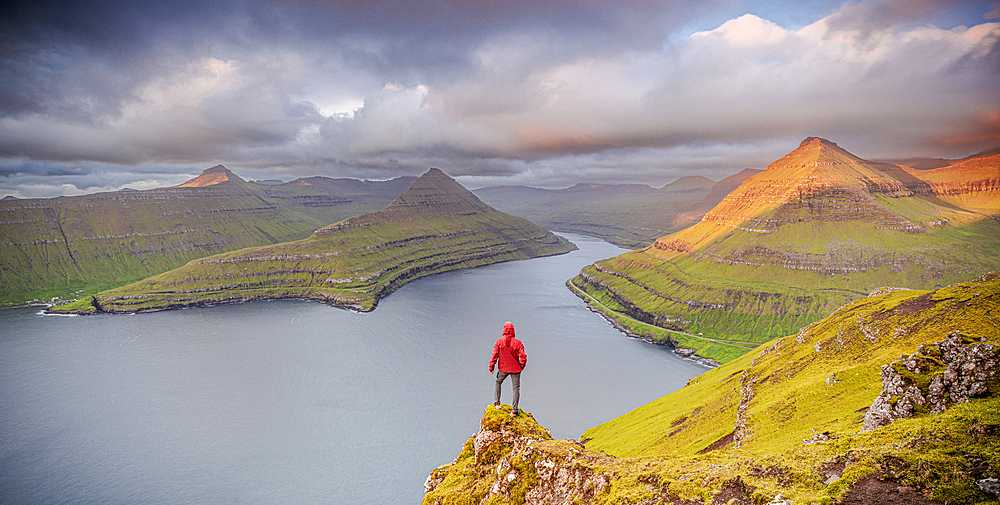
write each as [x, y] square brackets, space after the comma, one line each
[628, 215]
[51, 247]
[781, 425]
[435, 226]
[817, 229]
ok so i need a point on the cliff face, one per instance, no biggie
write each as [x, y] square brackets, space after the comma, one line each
[52, 246]
[817, 228]
[783, 424]
[435, 226]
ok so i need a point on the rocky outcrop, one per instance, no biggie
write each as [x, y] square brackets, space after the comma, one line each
[937, 375]
[516, 460]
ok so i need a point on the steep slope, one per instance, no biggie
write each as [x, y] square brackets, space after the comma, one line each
[818, 228]
[629, 215]
[787, 424]
[435, 226]
[56, 245]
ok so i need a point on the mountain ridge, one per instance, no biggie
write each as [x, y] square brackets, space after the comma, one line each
[54, 246]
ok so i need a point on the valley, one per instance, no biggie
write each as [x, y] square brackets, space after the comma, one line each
[631, 216]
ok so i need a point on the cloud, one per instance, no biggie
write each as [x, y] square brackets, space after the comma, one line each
[746, 80]
[551, 91]
[203, 110]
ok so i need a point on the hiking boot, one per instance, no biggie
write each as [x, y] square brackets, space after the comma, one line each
[515, 413]
[496, 405]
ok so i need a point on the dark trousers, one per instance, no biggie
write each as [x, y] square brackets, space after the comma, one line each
[515, 379]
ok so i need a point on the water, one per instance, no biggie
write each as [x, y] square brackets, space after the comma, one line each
[296, 402]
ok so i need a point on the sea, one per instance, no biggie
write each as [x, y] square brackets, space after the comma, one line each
[294, 402]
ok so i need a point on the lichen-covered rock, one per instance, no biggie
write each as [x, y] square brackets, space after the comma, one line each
[990, 486]
[953, 370]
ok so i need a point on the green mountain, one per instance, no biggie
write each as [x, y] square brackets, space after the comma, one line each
[817, 229]
[628, 215]
[894, 398]
[55, 246]
[434, 226]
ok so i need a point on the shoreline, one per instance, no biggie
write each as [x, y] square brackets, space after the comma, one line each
[685, 353]
[381, 293]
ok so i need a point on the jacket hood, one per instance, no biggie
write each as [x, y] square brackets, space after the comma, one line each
[508, 329]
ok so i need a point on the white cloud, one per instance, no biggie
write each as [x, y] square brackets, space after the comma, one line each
[746, 30]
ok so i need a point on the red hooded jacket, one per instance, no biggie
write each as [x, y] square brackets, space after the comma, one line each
[509, 351]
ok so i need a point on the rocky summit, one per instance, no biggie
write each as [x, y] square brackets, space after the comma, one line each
[210, 177]
[816, 229]
[434, 226]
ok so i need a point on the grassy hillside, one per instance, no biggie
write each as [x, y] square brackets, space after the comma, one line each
[55, 246]
[817, 229]
[784, 423]
[435, 226]
[628, 215]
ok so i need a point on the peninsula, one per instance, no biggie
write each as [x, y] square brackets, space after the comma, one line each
[434, 226]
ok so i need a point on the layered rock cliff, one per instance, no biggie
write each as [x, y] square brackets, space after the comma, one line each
[816, 229]
[434, 226]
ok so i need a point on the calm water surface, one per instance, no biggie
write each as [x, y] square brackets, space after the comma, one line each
[296, 402]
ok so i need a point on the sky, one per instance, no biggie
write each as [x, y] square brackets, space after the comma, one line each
[103, 95]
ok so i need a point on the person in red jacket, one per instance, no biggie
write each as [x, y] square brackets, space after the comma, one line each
[509, 357]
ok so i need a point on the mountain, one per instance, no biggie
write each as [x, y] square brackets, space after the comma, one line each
[52, 246]
[816, 229]
[212, 176]
[628, 215]
[434, 226]
[895, 398]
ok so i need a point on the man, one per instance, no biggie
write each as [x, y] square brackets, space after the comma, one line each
[509, 356]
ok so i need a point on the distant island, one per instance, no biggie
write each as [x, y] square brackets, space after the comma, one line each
[434, 226]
